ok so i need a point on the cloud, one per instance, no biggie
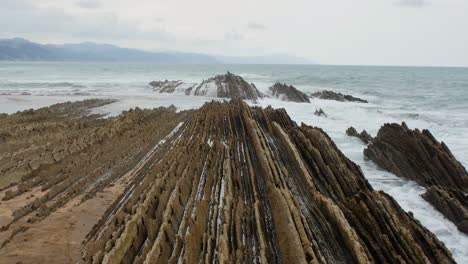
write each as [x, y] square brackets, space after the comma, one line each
[233, 35]
[89, 4]
[412, 3]
[256, 26]
[24, 18]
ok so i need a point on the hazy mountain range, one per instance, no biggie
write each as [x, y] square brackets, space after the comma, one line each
[19, 49]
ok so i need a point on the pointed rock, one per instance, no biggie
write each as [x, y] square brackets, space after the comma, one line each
[363, 136]
[320, 112]
[288, 93]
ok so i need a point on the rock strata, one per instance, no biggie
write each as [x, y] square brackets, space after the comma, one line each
[221, 86]
[236, 184]
[289, 93]
[64, 152]
[330, 95]
[168, 86]
[363, 136]
[418, 156]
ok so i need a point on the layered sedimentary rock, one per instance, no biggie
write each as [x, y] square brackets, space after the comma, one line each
[363, 136]
[289, 93]
[451, 202]
[221, 86]
[171, 86]
[236, 184]
[418, 156]
[61, 155]
[330, 95]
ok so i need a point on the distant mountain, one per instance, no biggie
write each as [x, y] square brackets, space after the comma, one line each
[23, 50]
[19, 49]
[270, 59]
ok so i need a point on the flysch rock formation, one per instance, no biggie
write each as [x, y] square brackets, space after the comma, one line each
[418, 156]
[61, 167]
[330, 95]
[221, 86]
[236, 184]
[289, 93]
[171, 86]
[363, 136]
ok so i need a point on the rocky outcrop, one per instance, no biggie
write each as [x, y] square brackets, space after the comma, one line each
[236, 184]
[222, 86]
[363, 136]
[66, 152]
[330, 95]
[320, 112]
[288, 93]
[228, 86]
[452, 203]
[169, 86]
[418, 156]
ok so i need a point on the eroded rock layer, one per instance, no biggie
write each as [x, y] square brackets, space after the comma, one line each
[221, 86]
[418, 156]
[289, 93]
[236, 184]
[58, 154]
[363, 136]
[330, 95]
[171, 86]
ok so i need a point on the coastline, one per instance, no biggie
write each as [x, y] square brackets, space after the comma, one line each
[340, 117]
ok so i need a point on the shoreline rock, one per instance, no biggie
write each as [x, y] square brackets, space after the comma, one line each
[236, 177]
[452, 203]
[418, 156]
[221, 86]
[330, 95]
[288, 93]
[223, 183]
[363, 136]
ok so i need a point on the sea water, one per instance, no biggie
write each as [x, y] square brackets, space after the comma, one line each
[425, 98]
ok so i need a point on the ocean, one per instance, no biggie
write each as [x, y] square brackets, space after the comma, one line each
[423, 97]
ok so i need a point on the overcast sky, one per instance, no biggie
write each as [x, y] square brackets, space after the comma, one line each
[370, 32]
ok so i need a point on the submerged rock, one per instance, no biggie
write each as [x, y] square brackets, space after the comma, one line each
[288, 93]
[330, 95]
[320, 112]
[364, 136]
[418, 156]
[244, 184]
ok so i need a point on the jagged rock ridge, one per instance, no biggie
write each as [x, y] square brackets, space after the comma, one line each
[236, 184]
[418, 156]
[363, 136]
[286, 92]
[330, 95]
[58, 158]
[221, 86]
